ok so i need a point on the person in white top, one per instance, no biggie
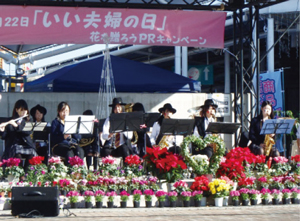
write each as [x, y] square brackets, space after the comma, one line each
[116, 144]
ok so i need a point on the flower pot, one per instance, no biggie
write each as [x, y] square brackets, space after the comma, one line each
[225, 201]
[12, 178]
[161, 203]
[197, 203]
[235, 184]
[203, 201]
[88, 205]
[63, 192]
[99, 204]
[295, 200]
[245, 202]
[148, 204]
[123, 204]
[173, 203]
[2, 202]
[235, 202]
[2, 194]
[74, 205]
[253, 202]
[186, 203]
[110, 204]
[136, 204]
[219, 201]
[9, 194]
[275, 201]
[265, 201]
[285, 200]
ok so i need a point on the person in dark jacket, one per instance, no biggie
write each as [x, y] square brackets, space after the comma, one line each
[64, 145]
[18, 142]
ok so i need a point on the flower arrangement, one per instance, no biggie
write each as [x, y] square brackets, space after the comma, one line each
[64, 184]
[161, 195]
[197, 194]
[280, 167]
[88, 195]
[275, 193]
[133, 165]
[235, 194]
[289, 182]
[248, 182]
[77, 169]
[152, 183]
[148, 194]
[260, 164]
[56, 168]
[172, 196]
[202, 164]
[229, 182]
[244, 192]
[169, 165]
[200, 183]
[99, 195]
[108, 166]
[218, 187]
[13, 168]
[73, 196]
[295, 193]
[111, 196]
[37, 170]
[277, 183]
[263, 182]
[137, 195]
[286, 193]
[254, 194]
[181, 186]
[265, 193]
[295, 164]
[186, 195]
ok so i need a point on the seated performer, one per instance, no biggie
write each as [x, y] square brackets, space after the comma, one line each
[157, 138]
[116, 144]
[38, 115]
[90, 143]
[207, 115]
[139, 136]
[64, 145]
[262, 144]
[18, 143]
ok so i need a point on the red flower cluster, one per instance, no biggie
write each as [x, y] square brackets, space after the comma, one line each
[200, 183]
[164, 160]
[296, 158]
[248, 181]
[76, 161]
[133, 160]
[12, 162]
[36, 160]
[241, 154]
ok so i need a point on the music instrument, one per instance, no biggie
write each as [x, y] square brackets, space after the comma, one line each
[269, 142]
[2, 125]
[194, 111]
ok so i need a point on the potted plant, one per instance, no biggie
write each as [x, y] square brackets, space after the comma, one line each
[124, 198]
[217, 188]
[13, 170]
[172, 198]
[286, 196]
[180, 186]
[148, 197]
[111, 196]
[295, 164]
[294, 195]
[201, 184]
[77, 169]
[244, 192]
[253, 196]
[136, 198]
[56, 168]
[235, 197]
[197, 195]
[263, 182]
[161, 197]
[99, 195]
[265, 193]
[88, 195]
[64, 186]
[73, 197]
[133, 165]
[275, 193]
[186, 196]
[37, 170]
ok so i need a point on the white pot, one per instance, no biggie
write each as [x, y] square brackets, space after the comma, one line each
[2, 201]
[219, 201]
[225, 201]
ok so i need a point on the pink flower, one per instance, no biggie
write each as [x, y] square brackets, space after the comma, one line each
[281, 160]
[228, 181]
[72, 193]
[197, 192]
[112, 193]
[252, 191]
[137, 192]
[12, 162]
[124, 193]
[234, 193]
[76, 161]
[244, 190]
[108, 160]
[172, 193]
[99, 193]
[286, 191]
[262, 179]
[180, 184]
[160, 193]
[148, 192]
[54, 160]
[88, 193]
[152, 179]
[295, 190]
[265, 191]
[186, 193]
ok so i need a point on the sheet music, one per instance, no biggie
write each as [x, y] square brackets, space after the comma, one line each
[34, 126]
[86, 124]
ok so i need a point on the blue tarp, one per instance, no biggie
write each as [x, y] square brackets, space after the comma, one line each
[129, 76]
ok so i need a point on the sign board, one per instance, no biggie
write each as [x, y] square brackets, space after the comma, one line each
[202, 73]
[223, 102]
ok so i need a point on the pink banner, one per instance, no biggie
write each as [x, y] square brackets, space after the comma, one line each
[68, 25]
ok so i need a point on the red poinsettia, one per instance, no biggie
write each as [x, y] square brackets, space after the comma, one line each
[170, 161]
[133, 160]
[200, 183]
[36, 160]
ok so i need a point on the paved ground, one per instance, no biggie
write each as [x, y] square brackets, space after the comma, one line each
[279, 212]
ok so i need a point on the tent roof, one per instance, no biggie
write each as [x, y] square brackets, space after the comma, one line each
[129, 76]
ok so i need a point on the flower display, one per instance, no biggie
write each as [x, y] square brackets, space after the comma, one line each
[218, 187]
[275, 193]
[244, 192]
[286, 193]
[265, 193]
[280, 167]
[137, 195]
[148, 194]
[37, 171]
[133, 165]
[99, 195]
[295, 193]
[161, 195]
[197, 194]
[152, 183]
[247, 182]
[77, 169]
[172, 196]
[111, 196]
[181, 186]
[124, 196]
[202, 163]
[169, 164]
[235, 194]
[200, 183]
[295, 164]
[13, 168]
[56, 168]
[186, 195]
[88, 195]
[64, 184]
[108, 166]
[73, 196]
[254, 194]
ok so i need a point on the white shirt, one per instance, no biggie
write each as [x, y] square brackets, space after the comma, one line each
[105, 132]
[206, 122]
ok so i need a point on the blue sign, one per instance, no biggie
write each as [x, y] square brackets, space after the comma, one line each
[202, 73]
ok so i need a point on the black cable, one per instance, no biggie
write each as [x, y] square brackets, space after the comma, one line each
[68, 212]
[31, 214]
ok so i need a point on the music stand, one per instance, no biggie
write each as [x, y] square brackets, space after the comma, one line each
[35, 126]
[79, 124]
[222, 127]
[151, 118]
[125, 121]
[278, 126]
[177, 127]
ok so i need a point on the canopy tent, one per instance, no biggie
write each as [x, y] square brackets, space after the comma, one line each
[129, 76]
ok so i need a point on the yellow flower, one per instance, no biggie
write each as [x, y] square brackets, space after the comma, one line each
[219, 189]
[213, 192]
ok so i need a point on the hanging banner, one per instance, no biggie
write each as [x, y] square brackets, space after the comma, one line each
[271, 89]
[71, 25]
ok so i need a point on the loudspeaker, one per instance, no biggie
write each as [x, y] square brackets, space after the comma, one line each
[43, 199]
